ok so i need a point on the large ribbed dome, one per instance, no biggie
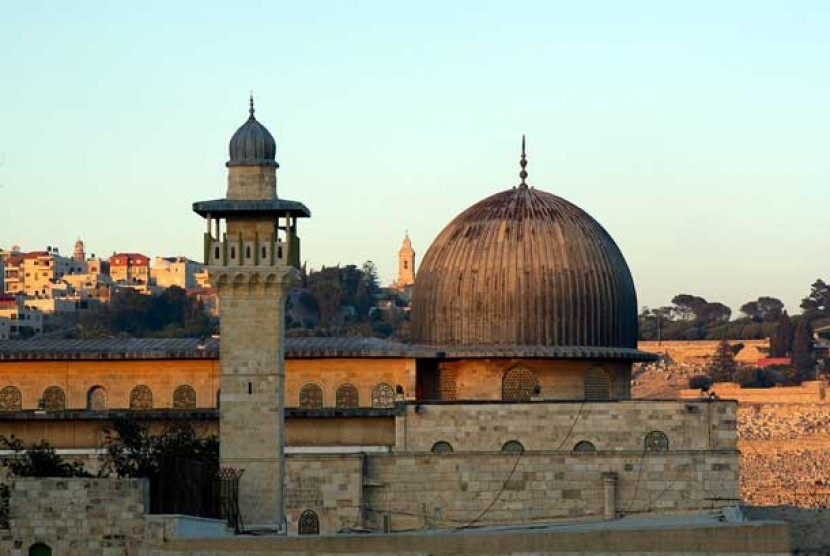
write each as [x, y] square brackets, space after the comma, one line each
[252, 144]
[524, 267]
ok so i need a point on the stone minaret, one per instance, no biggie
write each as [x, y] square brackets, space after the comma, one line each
[252, 253]
[406, 264]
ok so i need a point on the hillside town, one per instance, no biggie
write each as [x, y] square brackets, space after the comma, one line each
[45, 291]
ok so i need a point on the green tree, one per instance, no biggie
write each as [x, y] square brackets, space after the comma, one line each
[765, 309]
[686, 306]
[710, 314]
[133, 452]
[817, 304]
[781, 341]
[722, 366]
[38, 460]
[804, 359]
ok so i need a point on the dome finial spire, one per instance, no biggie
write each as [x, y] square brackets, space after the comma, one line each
[523, 164]
[251, 104]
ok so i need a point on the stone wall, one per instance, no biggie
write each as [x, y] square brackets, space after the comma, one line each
[329, 486]
[809, 528]
[623, 425]
[423, 491]
[75, 517]
[699, 351]
[674, 538]
[809, 392]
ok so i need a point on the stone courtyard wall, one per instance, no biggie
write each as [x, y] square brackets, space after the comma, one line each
[330, 486]
[423, 491]
[75, 517]
[621, 425]
[808, 392]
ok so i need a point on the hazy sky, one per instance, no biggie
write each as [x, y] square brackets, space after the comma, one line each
[697, 133]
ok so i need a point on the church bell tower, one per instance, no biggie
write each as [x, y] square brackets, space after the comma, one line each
[406, 264]
[252, 252]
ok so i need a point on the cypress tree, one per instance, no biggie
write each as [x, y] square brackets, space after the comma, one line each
[781, 341]
[804, 359]
[722, 366]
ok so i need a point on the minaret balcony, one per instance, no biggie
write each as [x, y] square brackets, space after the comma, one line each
[248, 253]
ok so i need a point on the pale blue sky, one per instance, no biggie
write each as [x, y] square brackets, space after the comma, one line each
[696, 133]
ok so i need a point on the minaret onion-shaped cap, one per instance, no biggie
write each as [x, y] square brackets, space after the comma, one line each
[252, 144]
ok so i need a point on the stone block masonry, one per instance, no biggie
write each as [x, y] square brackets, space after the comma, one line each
[75, 517]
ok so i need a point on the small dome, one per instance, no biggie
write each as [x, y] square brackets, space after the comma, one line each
[252, 144]
[524, 268]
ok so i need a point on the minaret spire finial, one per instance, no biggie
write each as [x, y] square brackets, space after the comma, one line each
[251, 103]
[523, 164]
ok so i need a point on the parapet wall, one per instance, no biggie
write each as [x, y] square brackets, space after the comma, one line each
[808, 392]
[75, 517]
[620, 426]
[698, 351]
[424, 491]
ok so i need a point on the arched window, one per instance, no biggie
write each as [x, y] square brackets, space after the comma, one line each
[141, 397]
[519, 384]
[346, 396]
[442, 447]
[597, 385]
[40, 549]
[383, 395]
[216, 253]
[309, 523]
[247, 251]
[96, 399]
[184, 397]
[656, 441]
[10, 399]
[512, 447]
[54, 399]
[311, 397]
[584, 446]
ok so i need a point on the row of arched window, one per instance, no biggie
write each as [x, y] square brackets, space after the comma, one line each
[655, 441]
[521, 384]
[346, 396]
[54, 398]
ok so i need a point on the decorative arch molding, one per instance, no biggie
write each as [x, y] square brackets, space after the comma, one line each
[54, 399]
[656, 441]
[584, 446]
[512, 447]
[10, 399]
[442, 447]
[308, 524]
[519, 384]
[141, 398]
[383, 395]
[184, 397]
[347, 396]
[311, 396]
[597, 384]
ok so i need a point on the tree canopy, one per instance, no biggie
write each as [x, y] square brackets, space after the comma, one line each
[129, 313]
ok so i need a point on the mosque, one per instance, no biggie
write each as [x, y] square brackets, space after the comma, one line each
[511, 405]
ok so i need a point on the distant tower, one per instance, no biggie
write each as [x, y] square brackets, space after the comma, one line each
[79, 254]
[406, 264]
[252, 260]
